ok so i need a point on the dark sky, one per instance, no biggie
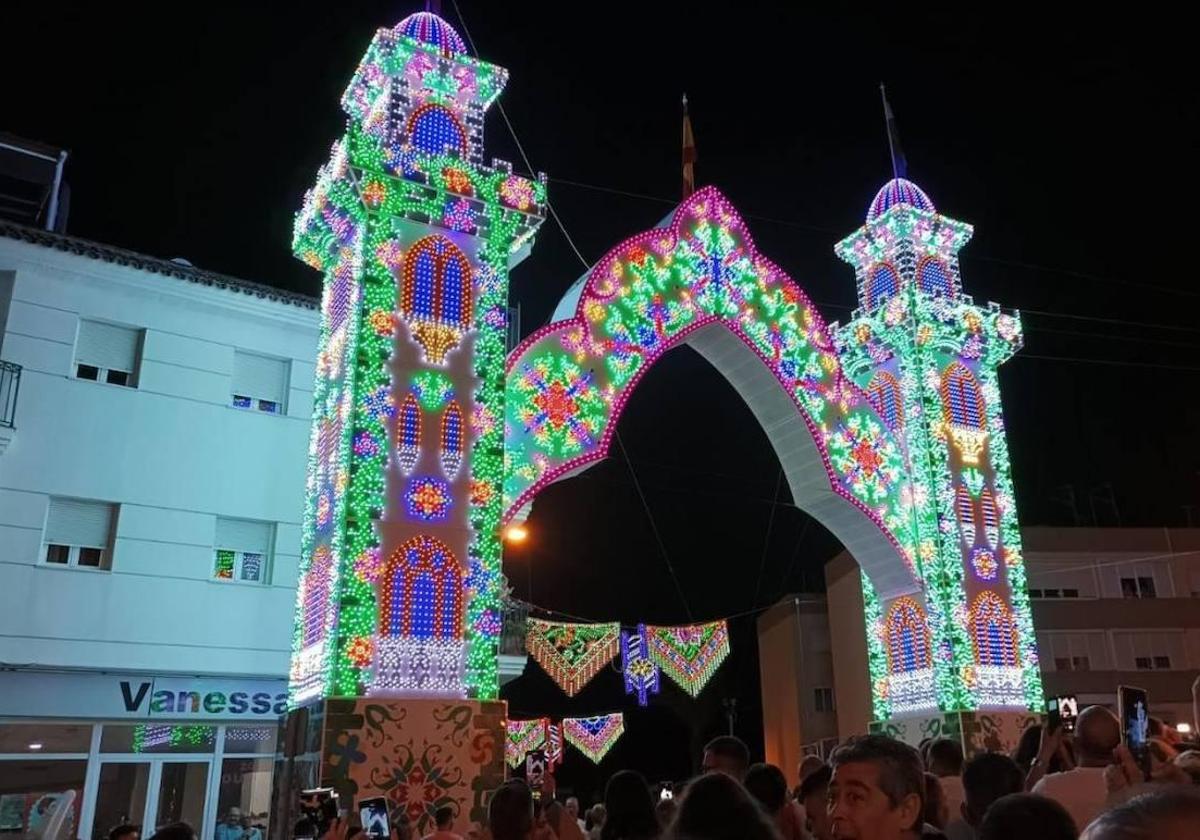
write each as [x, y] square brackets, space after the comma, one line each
[1070, 142]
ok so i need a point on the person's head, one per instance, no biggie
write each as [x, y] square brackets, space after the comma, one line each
[1026, 815]
[726, 754]
[1172, 813]
[125, 831]
[629, 807]
[598, 814]
[444, 818]
[876, 789]
[717, 807]
[766, 783]
[573, 807]
[175, 831]
[510, 813]
[808, 765]
[986, 778]
[937, 809]
[1097, 734]
[234, 817]
[1027, 747]
[814, 792]
[945, 757]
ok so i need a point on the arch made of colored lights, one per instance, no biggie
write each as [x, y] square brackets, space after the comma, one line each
[962, 403]
[436, 283]
[408, 433]
[421, 591]
[699, 280]
[994, 632]
[884, 393]
[908, 637]
[435, 130]
[452, 439]
[965, 507]
[933, 277]
[883, 282]
[316, 596]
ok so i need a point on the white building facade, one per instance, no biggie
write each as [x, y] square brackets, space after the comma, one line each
[154, 424]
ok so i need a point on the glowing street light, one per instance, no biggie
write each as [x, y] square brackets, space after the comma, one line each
[516, 534]
[1183, 728]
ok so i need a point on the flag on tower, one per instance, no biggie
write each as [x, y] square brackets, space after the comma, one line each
[689, 153]
[899, 164]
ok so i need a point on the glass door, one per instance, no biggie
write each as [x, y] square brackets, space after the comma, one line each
[121, 796]
[182, 787]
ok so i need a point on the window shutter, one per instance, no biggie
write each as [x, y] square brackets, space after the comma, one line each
[107, 346]
[74, 522]
[259, 377]
[244, 535]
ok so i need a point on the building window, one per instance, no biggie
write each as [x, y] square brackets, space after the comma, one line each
[243, 548]
[107, 353]
[933, 277]
[882, 283]
[1072, 663]
[823, 697]
[259, 382]
[79, 533]
[1053, 593]
[1138, 587]
[433, 129]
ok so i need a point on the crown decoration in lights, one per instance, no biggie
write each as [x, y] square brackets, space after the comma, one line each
[690, 654]
[641, 674]
[594, 736]
[523, 736]
[572, 653]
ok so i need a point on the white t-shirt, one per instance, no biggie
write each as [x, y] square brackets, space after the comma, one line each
[1081, 791]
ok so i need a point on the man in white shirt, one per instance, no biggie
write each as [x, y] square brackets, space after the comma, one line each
[573, 810]
[1082, 790]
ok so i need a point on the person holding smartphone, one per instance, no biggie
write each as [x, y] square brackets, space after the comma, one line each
[1082, 789]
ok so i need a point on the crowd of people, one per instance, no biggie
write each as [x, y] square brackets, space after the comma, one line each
[1055, 786]
[1084, 785]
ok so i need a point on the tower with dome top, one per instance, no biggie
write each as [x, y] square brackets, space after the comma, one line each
[926, 355]
[400, 583]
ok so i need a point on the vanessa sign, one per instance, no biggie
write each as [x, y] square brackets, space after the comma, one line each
[65, 695]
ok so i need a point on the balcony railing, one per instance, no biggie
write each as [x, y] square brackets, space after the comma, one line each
[10, 383]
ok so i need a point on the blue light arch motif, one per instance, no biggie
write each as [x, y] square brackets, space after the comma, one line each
[434, 130]
[882, 283]
[962, 403]
[994, 631]
[933, 277]
[908, 637]
[884, 393]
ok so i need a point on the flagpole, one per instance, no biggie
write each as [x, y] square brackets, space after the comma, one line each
[887, 125]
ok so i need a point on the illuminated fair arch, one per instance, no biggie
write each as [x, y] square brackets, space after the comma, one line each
[698, 280]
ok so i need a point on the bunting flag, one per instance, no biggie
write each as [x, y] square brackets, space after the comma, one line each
[594, 736]
[690, 654]
[641, 674]
[689, 154]
[523, 736]
[572, 653]
[554, 744]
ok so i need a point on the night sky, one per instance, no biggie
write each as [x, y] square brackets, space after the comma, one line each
[1069, 142]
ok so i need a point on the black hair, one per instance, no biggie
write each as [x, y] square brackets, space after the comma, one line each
[729, 746]
[510, 813]
[629, 808]
[814, 781]
[900, 773]
[767, 784]
[1026, 815]
[121, 830]
[1146, 817]
[175, 831]
[944, 757]
[717, 807]
[443, 816]
[986, 778]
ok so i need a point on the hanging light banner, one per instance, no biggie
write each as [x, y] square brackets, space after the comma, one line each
[572, 653]
[690, 654]
[594, 736]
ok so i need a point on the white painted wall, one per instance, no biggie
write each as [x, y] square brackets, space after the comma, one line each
[172, 453]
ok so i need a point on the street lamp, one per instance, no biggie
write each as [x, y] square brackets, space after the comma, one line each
[516, 534]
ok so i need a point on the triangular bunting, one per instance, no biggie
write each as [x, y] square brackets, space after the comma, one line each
[523, 736]
[594, 736]
[689, 654]
[572, 653]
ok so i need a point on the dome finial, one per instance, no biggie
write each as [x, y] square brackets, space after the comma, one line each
[428, 28]
[898, 191]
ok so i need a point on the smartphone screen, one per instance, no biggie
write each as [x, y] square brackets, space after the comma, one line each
[373, 813]
[1068, 711]
[1134, 708]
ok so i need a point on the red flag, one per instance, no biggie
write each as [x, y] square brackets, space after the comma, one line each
[689, 153]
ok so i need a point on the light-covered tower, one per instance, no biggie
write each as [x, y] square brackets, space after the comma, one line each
[927, 355]
[415, 236]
